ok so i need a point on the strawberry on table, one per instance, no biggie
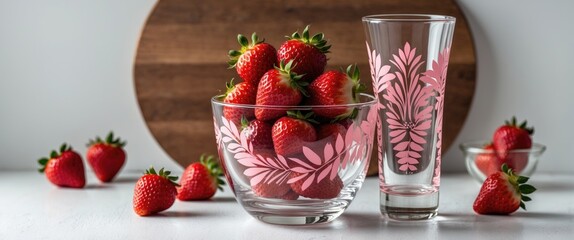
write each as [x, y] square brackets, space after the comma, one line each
[64, 169]
[106, 157]
[512, 136]
[502, 193]
[253, 59]
[154, 192]
[278, 87]
[241, 93]
[307, 52]
[487, 162]
[291, 132]
[324, 189]
[200, 180]
[336, 88]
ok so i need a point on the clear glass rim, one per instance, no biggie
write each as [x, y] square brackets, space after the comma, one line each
[408, 18]
[476, 147]
[368, 100]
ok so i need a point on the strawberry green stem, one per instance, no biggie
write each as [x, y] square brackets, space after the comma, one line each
[317, 40]
[245, 46]
[214, 170]
[53, 154]
[519, 184]
[294, 79]
[109, 140]
[163, 174]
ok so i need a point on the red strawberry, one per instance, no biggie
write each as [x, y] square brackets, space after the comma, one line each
[291, 195]
[258, 133]
[252, 60]
[336, 88]
[324, 189]
[241, 93]
[502, 193]
[65, 169]
[517, 160]
[511, 137]
[278, 87]
[307, 52]
[106, 157]
[291, 132]
[154, 192]
[200, 180]
[487, 162]
[271, 190]
[330, 130]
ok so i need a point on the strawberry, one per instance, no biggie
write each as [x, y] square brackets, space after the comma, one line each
[307, 52]
[271, 190]
[258, 133]
[336, 88]
[291, 195]
[517, 160]
[253, 59]
[154, 192]
[64, 169]
[106, 157]
[241, 93]
[278, 87]
[330, 130]
[200, 180]
[502, 193]
[487, 162]
[511, 137]
[324, 189]
[289, 133]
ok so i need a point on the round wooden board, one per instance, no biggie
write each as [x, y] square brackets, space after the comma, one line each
[182, 58]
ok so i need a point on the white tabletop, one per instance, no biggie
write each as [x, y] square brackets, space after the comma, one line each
[32, 208]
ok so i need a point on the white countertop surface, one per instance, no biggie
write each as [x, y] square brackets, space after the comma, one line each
[32, 208]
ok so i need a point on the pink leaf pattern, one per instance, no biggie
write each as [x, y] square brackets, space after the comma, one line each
[316, 165]
[407, 93]
[381, 77]
[436, 78]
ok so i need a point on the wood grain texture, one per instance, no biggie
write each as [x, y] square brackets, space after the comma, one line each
[182, 55]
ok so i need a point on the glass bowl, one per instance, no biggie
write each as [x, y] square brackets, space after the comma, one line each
[313, 181]
[480, 163]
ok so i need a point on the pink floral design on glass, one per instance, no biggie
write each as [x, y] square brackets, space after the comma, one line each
[408, 105]
[436, 79]
[315, 164]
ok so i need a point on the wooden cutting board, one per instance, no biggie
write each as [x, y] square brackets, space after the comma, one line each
[181, 60]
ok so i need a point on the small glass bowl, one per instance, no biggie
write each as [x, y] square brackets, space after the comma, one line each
[314, 183]
[480, 163]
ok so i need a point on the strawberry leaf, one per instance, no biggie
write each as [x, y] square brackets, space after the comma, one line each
[63, 148]
[42, 162]
[522, 179]
[242, 41]
[526, 189]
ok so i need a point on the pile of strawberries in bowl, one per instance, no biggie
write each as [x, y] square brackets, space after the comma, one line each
[511, 144]
[294, 140]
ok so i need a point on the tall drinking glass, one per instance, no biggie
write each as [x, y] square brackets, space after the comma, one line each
[408, 57]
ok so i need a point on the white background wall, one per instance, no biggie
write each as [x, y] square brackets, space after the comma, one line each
[66, 75]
